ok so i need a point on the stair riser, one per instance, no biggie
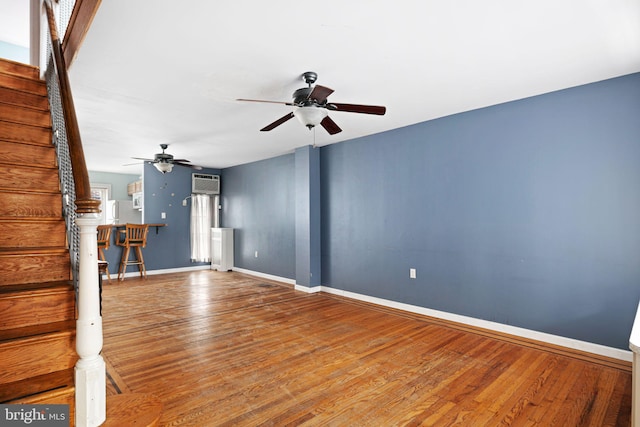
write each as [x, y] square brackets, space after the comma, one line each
[20, 269]
[32, 234]
[37, 87]
[27, 116]
[30, 205]
[26, 309]
[66, 396]
[21, 133]
[34, 179]
[21, 359]
[13, 153]
[19, 69]
[23, 99]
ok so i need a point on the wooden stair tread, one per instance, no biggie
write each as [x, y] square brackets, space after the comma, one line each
[23, 83]
[19, 132]
[5, 220]
[33, 332]
[27, 388]
[25, 115]
[8, 66]
[11, 190]
[133, 409]
[32, 251]
[24, 99]
[35, 288]
[37, 297]
[26, 154]
[29, 178]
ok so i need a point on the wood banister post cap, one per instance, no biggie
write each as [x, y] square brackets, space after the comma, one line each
[87, 206]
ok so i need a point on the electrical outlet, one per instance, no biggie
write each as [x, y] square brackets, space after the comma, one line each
[256, 254]
[163, 215]
[412, 273]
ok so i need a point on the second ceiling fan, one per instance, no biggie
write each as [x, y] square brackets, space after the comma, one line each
[164, 161]
[311, 106]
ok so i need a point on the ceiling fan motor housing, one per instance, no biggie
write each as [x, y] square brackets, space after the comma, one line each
[163, 157]
[301, 97]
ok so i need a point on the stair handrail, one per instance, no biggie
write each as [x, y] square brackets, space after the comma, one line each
[90, 369]
[84, 202]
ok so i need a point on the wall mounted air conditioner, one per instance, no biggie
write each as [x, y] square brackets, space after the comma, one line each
[205, 184]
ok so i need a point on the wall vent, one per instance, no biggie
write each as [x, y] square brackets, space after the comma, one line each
[205, 184]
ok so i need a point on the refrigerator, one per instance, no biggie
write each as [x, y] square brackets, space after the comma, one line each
[122, 212]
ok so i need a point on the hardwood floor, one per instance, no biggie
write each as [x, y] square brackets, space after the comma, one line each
[223, 349]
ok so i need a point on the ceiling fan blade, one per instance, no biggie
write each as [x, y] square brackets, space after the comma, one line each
[146, 160]
[196, 167]
[277, 123]
[330, 126]
[320, 93]
[357, 108]
[137, 163]
[261, 100]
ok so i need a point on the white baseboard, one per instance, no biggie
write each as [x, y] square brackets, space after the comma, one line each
[163, 271]
[615, 353]
[571, 343]
[265, 276]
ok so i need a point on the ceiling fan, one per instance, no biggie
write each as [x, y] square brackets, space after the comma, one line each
[311, 106]
[164, 161]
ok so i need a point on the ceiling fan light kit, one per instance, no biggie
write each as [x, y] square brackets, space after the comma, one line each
[164, 162]
[163, 167]
[311, 107]
[310, 116]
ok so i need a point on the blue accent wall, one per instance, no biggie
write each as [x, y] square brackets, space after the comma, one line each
[307, 214]
[258, 202]
[525, 213]
[170, 247]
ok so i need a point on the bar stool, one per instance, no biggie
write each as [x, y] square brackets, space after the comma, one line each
[135, 236]
[104, 241]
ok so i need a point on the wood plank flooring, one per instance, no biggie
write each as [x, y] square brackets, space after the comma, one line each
[227, 349]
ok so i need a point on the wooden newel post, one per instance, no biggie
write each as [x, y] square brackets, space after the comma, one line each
[90, 370]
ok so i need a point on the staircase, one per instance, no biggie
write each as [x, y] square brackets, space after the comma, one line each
[37, 299]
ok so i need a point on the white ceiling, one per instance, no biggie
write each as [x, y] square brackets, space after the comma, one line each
[14, 22]
[154, 72]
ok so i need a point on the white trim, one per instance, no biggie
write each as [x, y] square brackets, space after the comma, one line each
[634, 345]
[571, 343]
[634, 339]
[165, 271]
[265, 276]
[308, 289]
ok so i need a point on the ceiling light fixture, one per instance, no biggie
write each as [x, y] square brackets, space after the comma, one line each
[163, 166]
[310, 115]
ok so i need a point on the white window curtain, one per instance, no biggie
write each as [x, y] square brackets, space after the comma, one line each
[201, 216]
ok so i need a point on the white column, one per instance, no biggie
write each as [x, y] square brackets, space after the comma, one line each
[90, 371]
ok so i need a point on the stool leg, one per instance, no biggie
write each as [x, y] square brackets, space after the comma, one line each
[123, 263]
[141, 267]
[103, 258]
